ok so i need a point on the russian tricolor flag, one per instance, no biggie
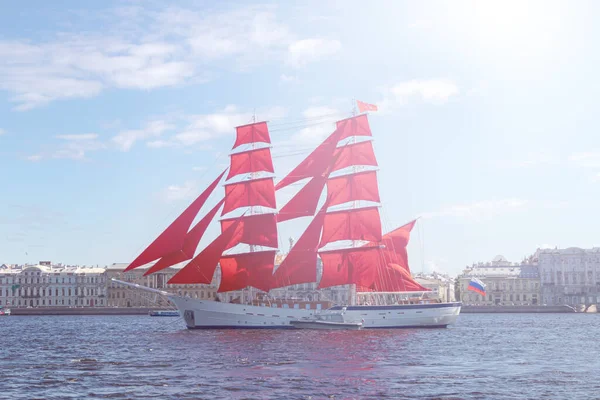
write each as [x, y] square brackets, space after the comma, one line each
[477, 286]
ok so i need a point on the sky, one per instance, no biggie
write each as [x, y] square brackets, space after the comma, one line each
[115, 114]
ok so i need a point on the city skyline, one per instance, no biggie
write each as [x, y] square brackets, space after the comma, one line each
[113, 117]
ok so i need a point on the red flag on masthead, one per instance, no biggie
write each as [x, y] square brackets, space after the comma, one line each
[362, 107]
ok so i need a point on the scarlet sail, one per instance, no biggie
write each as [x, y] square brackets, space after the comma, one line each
[172, 239]
[253, 268]
[395, 243]
[354, 126]
[305, 202]
[202, 267]
[257, 160]
[248, 269]
[354, 154]
[356, 224]
[350, 266]
[257, 229]
[380, 265]
[252, 133]
[395, 278]
[299, 266]
[258, 192]
[315, 164]
[190, 243]
[346, 188]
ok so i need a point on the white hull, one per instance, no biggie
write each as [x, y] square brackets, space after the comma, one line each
[201, 314]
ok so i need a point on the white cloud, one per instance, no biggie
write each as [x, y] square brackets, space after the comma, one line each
[288, 78]
[147, 49]
[34, 157]
[321, 123]
[2, 131]
[479, 210]
[531, 159]
[72, 147]
[589, 159]
[200, 128]
[199, 169]
[421, 24]
[124, 140]
[437, 264]
[434, 91]
[304, 51]
[83, 136]
[176, 192]
[159, 144]
[188, 138]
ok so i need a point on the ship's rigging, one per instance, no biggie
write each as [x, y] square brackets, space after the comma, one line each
[341, 194]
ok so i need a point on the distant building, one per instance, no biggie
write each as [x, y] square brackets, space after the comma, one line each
[441, 286]
[122, 296]
[506, 283]
[570, 276]
[48, 286]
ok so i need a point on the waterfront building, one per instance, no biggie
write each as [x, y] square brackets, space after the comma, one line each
[52, 286]
[441, 286]
[121, 296]
[570, 276]
[506, 283]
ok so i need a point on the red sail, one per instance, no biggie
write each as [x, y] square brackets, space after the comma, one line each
[395, 278]
[258, 229]
[395, 243]
[300, 265]
[354, 154]
[173, 237]
[399, 237]
[258, 192]
[190, 243]
[315, 164]
[305, 202]
[202, 267]
[354, 126]
[350, 266]
[248, 269]
[366, 268]
[360, 186]
[258, 160]
[252, 133]
[356, 224]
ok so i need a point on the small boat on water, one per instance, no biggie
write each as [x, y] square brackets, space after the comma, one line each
[4, 311]
[164, 313]
[327, 320]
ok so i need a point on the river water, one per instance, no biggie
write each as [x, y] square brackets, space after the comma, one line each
[504, 356]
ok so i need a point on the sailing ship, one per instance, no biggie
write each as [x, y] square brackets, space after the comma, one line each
[340, 194]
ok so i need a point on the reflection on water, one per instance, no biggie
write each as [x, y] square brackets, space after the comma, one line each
[482, 356]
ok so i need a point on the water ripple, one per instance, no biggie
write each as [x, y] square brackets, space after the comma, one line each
[138, 357]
